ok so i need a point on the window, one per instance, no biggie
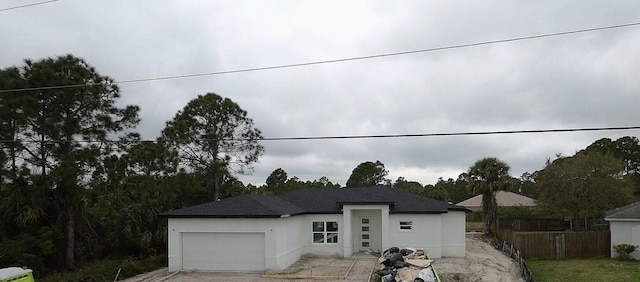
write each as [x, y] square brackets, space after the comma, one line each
[406, 225]
[365, 228]
[365, 244]
[325, 232]
[365, 236]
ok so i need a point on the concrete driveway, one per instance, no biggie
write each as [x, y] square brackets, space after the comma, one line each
[305, 270]
[481, 263]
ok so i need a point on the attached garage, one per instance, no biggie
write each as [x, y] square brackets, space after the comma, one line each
[217, 251]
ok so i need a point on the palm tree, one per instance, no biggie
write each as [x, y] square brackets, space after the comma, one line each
[486, 177]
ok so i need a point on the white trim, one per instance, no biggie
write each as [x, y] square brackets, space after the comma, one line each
[325, 233]
[622, 219]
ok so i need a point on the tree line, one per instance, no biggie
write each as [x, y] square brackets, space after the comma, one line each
[77, 182]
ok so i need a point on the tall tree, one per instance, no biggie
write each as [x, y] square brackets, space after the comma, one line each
[487, 176]
[324, 182]
[57, 120]
[368, 174]
[214, 138]
[12, 124]
[625, 148]
[276, 181]
[584, 185]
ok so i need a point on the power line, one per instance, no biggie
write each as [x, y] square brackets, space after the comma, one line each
[333, 60]
[27, 5]
[587, 129]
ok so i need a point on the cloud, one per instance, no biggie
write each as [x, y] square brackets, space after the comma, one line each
[581, 80]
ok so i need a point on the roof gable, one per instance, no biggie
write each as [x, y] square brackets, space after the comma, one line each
[503, 198]
[631, 211]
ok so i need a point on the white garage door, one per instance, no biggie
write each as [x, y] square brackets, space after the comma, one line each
[223, 251]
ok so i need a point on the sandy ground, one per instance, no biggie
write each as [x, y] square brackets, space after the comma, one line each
[481, 263]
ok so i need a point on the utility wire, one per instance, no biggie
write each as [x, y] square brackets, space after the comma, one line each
[341, 137]
[27, 5]
[332, 61]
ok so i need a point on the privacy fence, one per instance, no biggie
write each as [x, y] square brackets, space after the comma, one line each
[551, 240]
[554, 224]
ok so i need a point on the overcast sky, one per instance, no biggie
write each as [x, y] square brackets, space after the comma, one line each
[573, 81]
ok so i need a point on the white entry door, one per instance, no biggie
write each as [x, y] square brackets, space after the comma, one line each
[364, 234]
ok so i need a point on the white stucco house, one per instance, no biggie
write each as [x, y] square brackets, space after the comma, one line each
[256, 232]
[624, 223]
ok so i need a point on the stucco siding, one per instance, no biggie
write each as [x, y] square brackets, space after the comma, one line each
[625, 232]
[324, 249]
[425, 233]
[289, 241]
[453, 234]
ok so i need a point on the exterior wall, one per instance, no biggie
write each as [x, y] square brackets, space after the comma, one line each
[625, 232]
[453, 234]
[281, 237]
[287, 239]
[426, 232]
[326, 249]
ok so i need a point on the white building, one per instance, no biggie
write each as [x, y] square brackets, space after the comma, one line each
[256, 232]
[624, 223]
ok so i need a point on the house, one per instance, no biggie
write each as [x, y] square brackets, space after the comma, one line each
[503, 198]
[257, 232]
[624, 223]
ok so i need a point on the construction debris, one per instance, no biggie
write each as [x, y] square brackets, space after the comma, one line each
[406, 264]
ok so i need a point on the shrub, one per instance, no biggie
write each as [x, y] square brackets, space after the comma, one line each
[624, 251]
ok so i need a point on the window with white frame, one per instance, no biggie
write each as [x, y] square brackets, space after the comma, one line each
[325, 232]
[406, 225]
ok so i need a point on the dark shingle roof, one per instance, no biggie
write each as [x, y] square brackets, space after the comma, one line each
[254, 206]
[631, 211]
[315, 201]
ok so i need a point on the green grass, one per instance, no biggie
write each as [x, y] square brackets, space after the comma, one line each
[604, 269]
[474, 225]
[105, 270]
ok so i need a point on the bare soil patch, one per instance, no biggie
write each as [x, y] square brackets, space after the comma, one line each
[482, 263]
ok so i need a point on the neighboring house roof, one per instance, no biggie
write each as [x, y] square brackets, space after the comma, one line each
[503, 198]
[314, 201]
[631, 211]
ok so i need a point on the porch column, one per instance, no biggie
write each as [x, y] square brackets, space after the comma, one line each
[346, 232]
[385, 227]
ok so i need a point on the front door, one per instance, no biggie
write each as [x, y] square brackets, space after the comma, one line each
[364, 236]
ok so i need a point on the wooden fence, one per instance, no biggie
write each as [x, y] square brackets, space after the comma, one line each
[558, 245]
[553, 224]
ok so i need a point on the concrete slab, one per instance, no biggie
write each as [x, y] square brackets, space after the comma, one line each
[305, 270]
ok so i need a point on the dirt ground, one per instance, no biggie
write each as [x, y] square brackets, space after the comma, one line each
[481, 263]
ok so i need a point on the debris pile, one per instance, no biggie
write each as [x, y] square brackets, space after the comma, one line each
[408, 264]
